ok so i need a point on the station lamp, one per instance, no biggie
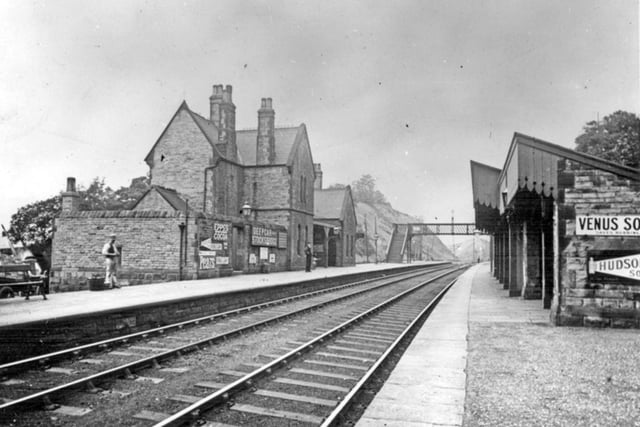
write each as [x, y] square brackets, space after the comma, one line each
[246, 210]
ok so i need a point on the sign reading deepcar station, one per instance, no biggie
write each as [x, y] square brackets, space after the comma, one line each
[608, 225]
[262, 236]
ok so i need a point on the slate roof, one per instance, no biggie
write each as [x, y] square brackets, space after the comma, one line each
[328, 204]
[285, 139]
[171, 196]
[207, 127]
[168, 194]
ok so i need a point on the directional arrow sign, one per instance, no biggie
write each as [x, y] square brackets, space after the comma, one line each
[626, 266]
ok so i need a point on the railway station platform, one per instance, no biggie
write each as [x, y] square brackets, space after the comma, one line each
[486, 359]
[38, 326]
[17, 310]
[428, 385]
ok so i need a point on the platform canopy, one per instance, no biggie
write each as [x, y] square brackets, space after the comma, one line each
[532, 165]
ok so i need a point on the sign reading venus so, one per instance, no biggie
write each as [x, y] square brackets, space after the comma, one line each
[608, 225]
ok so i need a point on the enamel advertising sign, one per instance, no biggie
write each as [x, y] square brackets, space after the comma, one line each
[608, 225]
[625, 266]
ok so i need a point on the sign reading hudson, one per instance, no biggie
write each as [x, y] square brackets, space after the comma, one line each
[605, 225]
[627, 266]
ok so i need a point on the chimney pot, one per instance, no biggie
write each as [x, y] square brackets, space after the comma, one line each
[71, 184]
[226, 94]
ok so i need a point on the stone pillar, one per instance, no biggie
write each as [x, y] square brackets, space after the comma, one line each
[533, 268]
[512, 280]
[555, 301]
[522, 253]
[498, 272]
[515, 288]
[505, 258]
[70, 198]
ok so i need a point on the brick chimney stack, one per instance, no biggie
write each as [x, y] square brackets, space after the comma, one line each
[266, 141]
[317, 183]
[223, 116]
[70, 198]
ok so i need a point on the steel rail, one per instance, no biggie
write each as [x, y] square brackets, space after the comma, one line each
[222, 395]
[40, 360]
[155, 359]
[338, 413]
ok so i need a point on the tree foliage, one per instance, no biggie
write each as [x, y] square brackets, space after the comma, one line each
[33, 224]
[364, 190]
[616, 138]
[336, 187]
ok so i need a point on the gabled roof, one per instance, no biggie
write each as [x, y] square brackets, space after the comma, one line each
[170, 195]
[285, 137]
[532, 163]
[330, 203]
[207, 128]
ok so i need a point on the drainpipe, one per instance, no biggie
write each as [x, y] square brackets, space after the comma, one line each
[186, 235]
[181, 226]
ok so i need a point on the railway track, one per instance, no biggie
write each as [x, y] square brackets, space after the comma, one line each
[36, 387]
[315, 382]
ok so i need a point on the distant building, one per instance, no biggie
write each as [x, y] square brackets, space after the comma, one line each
[220, 200]
[334, 225]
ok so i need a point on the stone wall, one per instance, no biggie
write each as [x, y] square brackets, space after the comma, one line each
[268, 187]
[180, 158]
[583, 301]
[153, 201]
[149, 241]
[224, 189]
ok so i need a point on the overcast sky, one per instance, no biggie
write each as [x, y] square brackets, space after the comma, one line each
[407, 91]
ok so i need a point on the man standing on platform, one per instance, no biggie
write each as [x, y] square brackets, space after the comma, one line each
[110, 253]
[307, 252]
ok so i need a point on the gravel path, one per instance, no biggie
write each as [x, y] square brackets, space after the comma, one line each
[524, 374]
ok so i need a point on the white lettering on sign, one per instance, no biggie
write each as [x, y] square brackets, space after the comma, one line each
[626, 266]
[261, 236]
[207, 260]
[222, 260]
[608, 225]
[220, 231]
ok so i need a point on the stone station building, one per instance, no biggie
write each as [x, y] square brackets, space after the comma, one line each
[221, 200]
[334, 225]
[565, 229]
